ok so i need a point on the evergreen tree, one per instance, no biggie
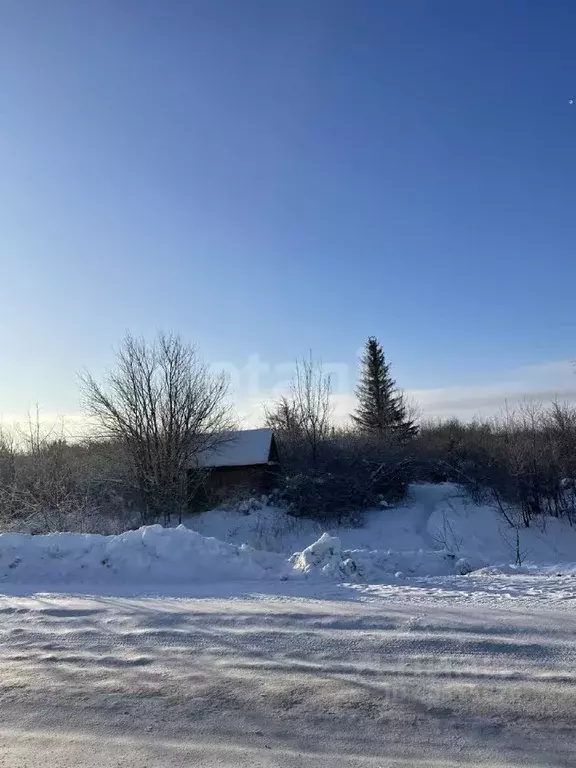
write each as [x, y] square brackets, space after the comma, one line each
[381, 407]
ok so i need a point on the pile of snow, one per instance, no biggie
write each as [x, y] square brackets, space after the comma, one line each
[327, 558]
[151, 554]
[155, 555]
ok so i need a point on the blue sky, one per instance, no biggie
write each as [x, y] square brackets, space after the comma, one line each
[268, 177]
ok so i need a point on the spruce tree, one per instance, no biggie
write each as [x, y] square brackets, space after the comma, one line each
[381, 407]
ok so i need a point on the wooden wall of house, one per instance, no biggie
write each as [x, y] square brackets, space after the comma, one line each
[225, 482]
[259, 478]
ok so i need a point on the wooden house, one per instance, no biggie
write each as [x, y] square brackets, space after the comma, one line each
[247, 460]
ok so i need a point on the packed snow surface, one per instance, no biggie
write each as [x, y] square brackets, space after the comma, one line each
[269, 682]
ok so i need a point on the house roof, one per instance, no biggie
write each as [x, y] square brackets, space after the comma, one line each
[244, 447]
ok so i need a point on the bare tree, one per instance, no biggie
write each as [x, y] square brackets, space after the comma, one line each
[164, 407]
[311, 391]
[283, 418]
[303, 417]
[7, 457]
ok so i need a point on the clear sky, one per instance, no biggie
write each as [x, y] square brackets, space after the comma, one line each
[272, 176]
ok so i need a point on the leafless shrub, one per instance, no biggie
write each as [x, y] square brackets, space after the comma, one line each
[523, 459]
[447, 537]
[7, 458]
[49, 484]
[302, 419]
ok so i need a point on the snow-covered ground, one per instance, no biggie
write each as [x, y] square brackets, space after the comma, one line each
[286, 683]
[437, 533]
[290, 646]
[433, 518]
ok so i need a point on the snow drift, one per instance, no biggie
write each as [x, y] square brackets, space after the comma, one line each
[327, 558]
[152, 554]
[413, 536]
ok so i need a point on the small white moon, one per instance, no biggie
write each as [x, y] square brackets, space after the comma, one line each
[570, 101]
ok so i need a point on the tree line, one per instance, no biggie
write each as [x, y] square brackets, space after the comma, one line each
[161, 406]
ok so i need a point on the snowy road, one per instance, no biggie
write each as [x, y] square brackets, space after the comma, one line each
[269, 681]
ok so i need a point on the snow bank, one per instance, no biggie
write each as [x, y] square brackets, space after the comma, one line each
[327, 558]
[151, 554]
[154, 555]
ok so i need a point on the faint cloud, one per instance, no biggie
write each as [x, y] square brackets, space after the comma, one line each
[546, 382]
[257, 385]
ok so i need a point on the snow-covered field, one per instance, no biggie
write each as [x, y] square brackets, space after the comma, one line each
[259, 640]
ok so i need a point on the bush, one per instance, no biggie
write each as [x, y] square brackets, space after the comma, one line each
[352, 473]
[48, 484]
[326, 497]
[525, 459]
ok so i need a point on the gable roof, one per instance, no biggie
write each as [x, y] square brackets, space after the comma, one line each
[245, 447]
